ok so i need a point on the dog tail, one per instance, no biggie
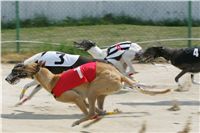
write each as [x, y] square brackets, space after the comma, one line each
[138, 88]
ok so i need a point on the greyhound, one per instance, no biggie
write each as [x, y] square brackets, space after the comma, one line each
[120, 54]
[56, 62]
[186, 59]
[94, 81]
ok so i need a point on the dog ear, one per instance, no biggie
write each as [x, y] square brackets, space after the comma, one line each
[88, 41]
[75, 43]
[161, 47]
[19, 65]
[157, 45]
[91, 42]
[41, 63]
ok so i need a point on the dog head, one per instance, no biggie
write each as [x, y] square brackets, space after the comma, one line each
[152, 53]
[84, 44]
[139, 55]
[22, 71]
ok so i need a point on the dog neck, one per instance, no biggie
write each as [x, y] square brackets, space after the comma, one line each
[96, 52]
[167, 53]
[47, 79]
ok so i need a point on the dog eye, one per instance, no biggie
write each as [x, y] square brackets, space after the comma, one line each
[14, 72]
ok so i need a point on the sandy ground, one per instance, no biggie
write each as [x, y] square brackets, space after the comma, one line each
[44, 114]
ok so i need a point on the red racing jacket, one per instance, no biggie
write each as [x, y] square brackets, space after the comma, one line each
[74, 77]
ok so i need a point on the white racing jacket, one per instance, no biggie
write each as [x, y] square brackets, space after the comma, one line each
[53, 59]
[117, 50]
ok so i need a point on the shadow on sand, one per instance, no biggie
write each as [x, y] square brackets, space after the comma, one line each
[30, 115]
[162, 103]
[128, 114]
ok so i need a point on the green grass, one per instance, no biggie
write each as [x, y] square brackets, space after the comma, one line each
[40, 20]
[103, 35]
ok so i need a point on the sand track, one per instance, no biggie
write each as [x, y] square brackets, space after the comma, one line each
[44, 114]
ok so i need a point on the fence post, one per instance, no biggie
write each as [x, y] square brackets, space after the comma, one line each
[189, 22]
[17, 25]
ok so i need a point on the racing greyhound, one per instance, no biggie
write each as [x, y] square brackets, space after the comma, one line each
[186, 59]
[93, 81]
[56, 62]
[121, 54]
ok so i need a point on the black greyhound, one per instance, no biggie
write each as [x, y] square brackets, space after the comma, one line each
[186, 59]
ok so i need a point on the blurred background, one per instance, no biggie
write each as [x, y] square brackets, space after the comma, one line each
[31, 27]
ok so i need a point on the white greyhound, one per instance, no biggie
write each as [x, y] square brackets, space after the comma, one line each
[121, 54]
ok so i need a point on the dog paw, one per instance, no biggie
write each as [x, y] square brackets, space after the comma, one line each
[102, 112]
[180, 88]
[22, 94]
[131, 74]
[75, 123]
[21, 102]
[117, 110]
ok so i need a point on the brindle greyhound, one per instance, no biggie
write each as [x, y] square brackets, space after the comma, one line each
[107, 81]
[186, 59]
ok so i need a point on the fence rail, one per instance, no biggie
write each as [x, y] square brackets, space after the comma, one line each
[149, 11]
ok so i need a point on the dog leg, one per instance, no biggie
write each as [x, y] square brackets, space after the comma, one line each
[193, 81]
[97, 110]
[81, 104]
[124, 65]
[180, 87]
[72, 96]
[118, 65]
[98, 88]
[100, 102]
[35, 90]
[127, 58]
[26, 88]
[179, 75]
[91, 99]
[130, 68]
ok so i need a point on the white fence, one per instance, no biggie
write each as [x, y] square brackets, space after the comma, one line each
[59, 10]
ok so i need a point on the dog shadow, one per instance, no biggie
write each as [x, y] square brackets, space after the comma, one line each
[30, 115]
[128, 114]
[162, 103]
[120, 115]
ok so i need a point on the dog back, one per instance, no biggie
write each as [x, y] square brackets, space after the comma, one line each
[75, 77]
[188, 55]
